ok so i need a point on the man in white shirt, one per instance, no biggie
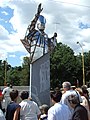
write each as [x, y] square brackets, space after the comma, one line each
[58, 111]
[29, 109]
[67, 92]
[6, 93]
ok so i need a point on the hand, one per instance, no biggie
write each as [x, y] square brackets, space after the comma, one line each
[39, 9]
[55, 34]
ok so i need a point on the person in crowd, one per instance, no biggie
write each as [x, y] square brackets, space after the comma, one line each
[84, 101]
[6, 93]
[29, 109]
[41, 109]
[1, 98]
[57, 89]
[73, 87]
[2, 117]
[84, 87]
[85, 92]
[2, 104]
[80, 112]
[44, 115]
[58, 111]
[68, 91]
[13, 108]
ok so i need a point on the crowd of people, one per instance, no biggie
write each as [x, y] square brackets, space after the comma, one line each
[68, 103]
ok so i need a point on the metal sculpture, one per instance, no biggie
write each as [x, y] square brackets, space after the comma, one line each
[37, 38]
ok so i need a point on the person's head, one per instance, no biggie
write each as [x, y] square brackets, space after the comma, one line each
[66, 86]
[73, 100]
[14, 95]
[55, 34]
[8, 84]
[57, 89]
[86, 93]
[24, 95]
[41, 23]
[45, 108]
[84, 87]
[73, 87]
[56, 97]
[41, 109]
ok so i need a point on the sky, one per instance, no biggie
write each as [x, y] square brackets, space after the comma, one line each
[69, 18]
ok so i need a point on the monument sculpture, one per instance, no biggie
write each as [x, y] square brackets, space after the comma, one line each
[36, 37]
[39, 45]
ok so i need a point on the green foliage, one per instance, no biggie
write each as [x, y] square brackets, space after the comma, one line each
[25, 71]
[19, 75]
[63, 65]
[2, 73]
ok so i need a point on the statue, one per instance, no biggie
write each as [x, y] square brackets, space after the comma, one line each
[37, 37]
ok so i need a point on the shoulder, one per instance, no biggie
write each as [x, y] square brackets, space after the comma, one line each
[21, 103]
[54, 107]
[34, 103]
[83, 98]
[24, 102]
[80, 108]
[5, 89]
[64, 107]
[15, 105]
[69, 92]
[51, 109]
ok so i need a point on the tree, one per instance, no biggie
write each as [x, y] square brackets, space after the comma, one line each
[87, 66]
[14, 75]
[2, 73]
[63, 65]
[25, 71]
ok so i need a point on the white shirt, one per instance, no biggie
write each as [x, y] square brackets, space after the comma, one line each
[2, 117]
[59, 112]
[86, 105]
[29, 110]
[6, 91]
[64, 99]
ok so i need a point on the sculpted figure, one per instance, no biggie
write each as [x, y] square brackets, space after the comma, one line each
[37, 37]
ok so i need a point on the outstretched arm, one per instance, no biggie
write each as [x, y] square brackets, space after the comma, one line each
[33, 23]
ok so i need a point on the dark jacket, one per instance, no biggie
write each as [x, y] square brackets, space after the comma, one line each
[80, 113]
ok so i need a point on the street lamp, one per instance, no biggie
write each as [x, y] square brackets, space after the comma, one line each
[82, 63]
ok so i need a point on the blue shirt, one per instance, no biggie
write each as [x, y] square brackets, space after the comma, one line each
[11, 108]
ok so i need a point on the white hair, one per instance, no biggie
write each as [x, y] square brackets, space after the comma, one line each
[66, 85]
